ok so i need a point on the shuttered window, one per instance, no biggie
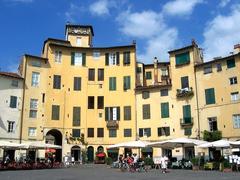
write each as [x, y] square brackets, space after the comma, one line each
[77, 83]
[112, 84]
[145, 94]
[210, 96]
[187, 114]
[56, 82]
[127, 112]
[78, 59]
[112, 133]
[126, 58]
[100, 102]
[76, 132]
[127, 133]
[100, 132]
[149, 75]
[144, 132]
[188, 131]
[231, 63]
[90, 102]
[76, 116]
[55, 112]
[112, 113]
[146, 111]
[165, 110]
[90, 132]
[126, 82]
[100, 74]
[163, 131]
[13, 101]
[183, 58]
[91, 74]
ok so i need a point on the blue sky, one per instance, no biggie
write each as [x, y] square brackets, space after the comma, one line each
[156, 25]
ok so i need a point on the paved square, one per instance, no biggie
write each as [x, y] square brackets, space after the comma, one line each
[103, 172]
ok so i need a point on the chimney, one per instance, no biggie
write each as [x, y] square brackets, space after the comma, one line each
[155, 62]
[237, 48]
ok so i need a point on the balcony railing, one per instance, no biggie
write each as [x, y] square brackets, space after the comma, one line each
[111, 124]
[185, 122]
[185, 92]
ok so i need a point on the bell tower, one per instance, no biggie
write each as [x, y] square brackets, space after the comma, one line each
[79, 35]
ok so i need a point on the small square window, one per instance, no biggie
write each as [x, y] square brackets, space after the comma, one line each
[145, 94]
[233, 80]
[15, 83]
[164, 92]
[219, 67]
[207, 69]
[149, 75]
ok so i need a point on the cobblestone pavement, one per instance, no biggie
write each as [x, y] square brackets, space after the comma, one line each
[103, 172]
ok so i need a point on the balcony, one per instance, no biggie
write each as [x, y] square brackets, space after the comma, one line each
[186, 122]
[111, 124]
[185, 92]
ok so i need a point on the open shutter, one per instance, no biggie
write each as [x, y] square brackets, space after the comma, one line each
[106, 59]
[106, 114]
[117, 54]
[118, 113]
[140, 132]
[72, 58]
[83, 59]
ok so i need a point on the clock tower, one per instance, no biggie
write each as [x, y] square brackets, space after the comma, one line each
[79, 35]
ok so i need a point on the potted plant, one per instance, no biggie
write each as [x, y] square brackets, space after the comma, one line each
[148, 162]
[108, 160]
[195, 163]
[226, 166]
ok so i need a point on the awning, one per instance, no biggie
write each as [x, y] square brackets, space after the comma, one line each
[101, 155]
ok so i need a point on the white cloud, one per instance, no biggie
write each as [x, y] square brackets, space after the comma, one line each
[100, 7]
[180, 7]
[149, 26]
[73, 13]
[221, 33]
[223, 3]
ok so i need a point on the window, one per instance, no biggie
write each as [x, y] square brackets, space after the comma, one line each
[76, 133]
[164, 92]
[32, 131]
[187, 118]
[13, 102]
[127, 132]
[76, 116]
[207, 69]
[100, 102]
[35, 79]
[230, 63]
[127, 112]
[58, 56]
[90, 102]
[78, 41]
[219, 67]
[90, 132]
[33, 108]
[188, 131]
[149, 75]
[112, 84]
[96, 54]
[100, 74]
[112, 133]
[56, 82]
[144, 132]
[112, 58]
[234, 96]
[145, 94]
[183, 58]
[36, 63]
[184, 82]
[146, 111]
[164, 72]
[55, 112]
[212, 121]
[11, 126]
[233, 80]
[126, 58]
[139, 69]
[126, 82]
[77, 84]
[43, 97]
[78, 59]
[112, 113]
[236, 121]
[165, 110]
[15, 83]
[100, 132]
[210, 96]
[91, 74]
[163, 131]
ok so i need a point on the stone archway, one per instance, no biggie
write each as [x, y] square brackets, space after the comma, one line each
[54, 136]
[76, 153]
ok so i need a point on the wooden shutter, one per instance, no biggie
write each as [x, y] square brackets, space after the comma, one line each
[13, 101]
[164, 110]
[118, 113]
[117, 57]
[106, 59]
[72, 58]
[182, 58]
[210, 96]
[106, 114]
[140, 132]
[83, 59]
[187, 113]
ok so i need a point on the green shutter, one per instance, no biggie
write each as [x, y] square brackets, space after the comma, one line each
[55, 112]
[118, 113]
[107, 59]
[164, 110]
[126, 82]
[117, 54]
[187, 114]
[83, 59]
[72, 58]
[183, 58]
[230, 63]
[146, 111]
[106, 114]
[76, 116]
[210, 96]
[13, 101]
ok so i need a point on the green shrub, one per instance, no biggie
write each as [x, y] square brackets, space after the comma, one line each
[148, 161]
[226, 164]
[108, 160]
[195, 161]
[212, 136]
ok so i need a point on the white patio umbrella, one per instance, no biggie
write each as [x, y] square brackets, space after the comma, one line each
[7, 144]
[217, 144]
[235, 144]
[130, 144]
[39, 145]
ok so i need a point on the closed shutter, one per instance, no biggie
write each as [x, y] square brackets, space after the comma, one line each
[230, 63]
[140, 132]
[117, 54]
[76, 116]
[164, 110]
[183, 58]
[146, 111]
[72, 58]
[210, 96]
[167, 131]
[55, 112]
[107, 59]
[127, 112]
[83, 59]
[187, 113]
[148, 132]
[13, 101]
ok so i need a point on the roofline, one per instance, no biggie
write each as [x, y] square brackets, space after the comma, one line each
[152, 87]
[181, 49]
[53, 39]
[11, 75]
[217, 60]
[33, 56]
[112, 47]
[78, 25]
[159, 63]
